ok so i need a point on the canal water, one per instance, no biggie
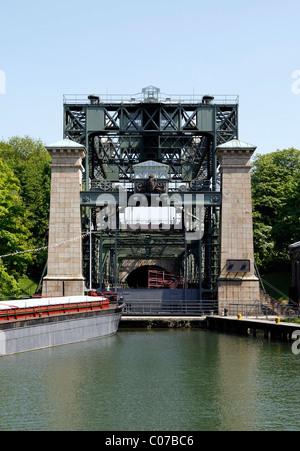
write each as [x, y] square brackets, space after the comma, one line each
[153, 380]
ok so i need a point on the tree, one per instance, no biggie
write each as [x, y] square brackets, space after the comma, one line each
[276, 205]
[14, 232]
[8, 284]
[25, 182]
[30, 162]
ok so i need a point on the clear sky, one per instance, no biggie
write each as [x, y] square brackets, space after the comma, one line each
[246, 47]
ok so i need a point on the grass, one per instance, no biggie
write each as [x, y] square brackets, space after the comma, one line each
[27, 286]
[292, 320]
[281, 281]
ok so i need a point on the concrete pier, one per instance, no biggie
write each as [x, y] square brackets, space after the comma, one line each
[247, 326]
[269, 329]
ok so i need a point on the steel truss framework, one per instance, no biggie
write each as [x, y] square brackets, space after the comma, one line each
[182, 134]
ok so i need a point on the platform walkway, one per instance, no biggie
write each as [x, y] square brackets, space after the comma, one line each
[274, 327]
[269, 328]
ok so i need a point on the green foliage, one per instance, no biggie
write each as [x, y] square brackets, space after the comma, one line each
[276, 206]
[24, 208]
[25, 181]
[13, 230]
[292, 320]
[8, 284]
[30, 162]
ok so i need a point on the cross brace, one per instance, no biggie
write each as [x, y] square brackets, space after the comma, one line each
[92, 198]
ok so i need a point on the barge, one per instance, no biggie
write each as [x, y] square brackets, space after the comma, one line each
[38, 323]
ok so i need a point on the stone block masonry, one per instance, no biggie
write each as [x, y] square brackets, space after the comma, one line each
[236, 223]
[64, 274]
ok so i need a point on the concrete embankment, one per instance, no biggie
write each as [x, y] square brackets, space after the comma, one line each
[269, 328]
[162, 321]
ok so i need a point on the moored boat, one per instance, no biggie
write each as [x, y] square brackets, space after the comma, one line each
[37, 323]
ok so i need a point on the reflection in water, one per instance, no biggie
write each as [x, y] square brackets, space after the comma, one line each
[171, 380]
[237, 383]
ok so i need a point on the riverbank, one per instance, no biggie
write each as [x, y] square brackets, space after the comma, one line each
[159, 321]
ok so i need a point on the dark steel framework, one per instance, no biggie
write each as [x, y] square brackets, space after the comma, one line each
[181, 132]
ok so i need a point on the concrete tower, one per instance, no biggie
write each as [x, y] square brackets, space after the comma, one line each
[64, 274]
[237, 281]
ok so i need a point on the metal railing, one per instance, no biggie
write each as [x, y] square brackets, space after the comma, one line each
[82, 99]
[170, 308]
[199, 308]
[6, 297]
[255, 309]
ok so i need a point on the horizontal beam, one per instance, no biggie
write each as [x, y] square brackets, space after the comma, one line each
[97, 198]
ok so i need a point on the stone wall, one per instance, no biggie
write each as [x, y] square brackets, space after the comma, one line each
[236, 223]
[64, 273]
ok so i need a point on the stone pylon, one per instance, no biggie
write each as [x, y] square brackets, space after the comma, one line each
[237, 281]
[64, 274]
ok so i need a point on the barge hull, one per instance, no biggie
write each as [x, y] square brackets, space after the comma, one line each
[41, 333]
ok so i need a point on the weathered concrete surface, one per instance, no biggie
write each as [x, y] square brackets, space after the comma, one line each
[282, 331]
[236, 223]
[64, 272]
[162, 321]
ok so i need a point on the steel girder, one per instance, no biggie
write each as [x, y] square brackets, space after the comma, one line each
[122, 134]
[93, 198]
[181, 134]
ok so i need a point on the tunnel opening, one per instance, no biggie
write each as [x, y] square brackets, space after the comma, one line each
[150, 277]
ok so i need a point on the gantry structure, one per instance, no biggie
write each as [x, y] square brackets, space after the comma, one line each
[151, 144]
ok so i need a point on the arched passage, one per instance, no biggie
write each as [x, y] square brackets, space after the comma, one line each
[168, 265]
[139, 278]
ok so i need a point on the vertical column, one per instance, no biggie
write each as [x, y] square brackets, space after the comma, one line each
[237, 282]
[64, 274]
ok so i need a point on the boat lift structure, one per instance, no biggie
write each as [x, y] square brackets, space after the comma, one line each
[164, 185]
[179, 133]
[128, 139]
